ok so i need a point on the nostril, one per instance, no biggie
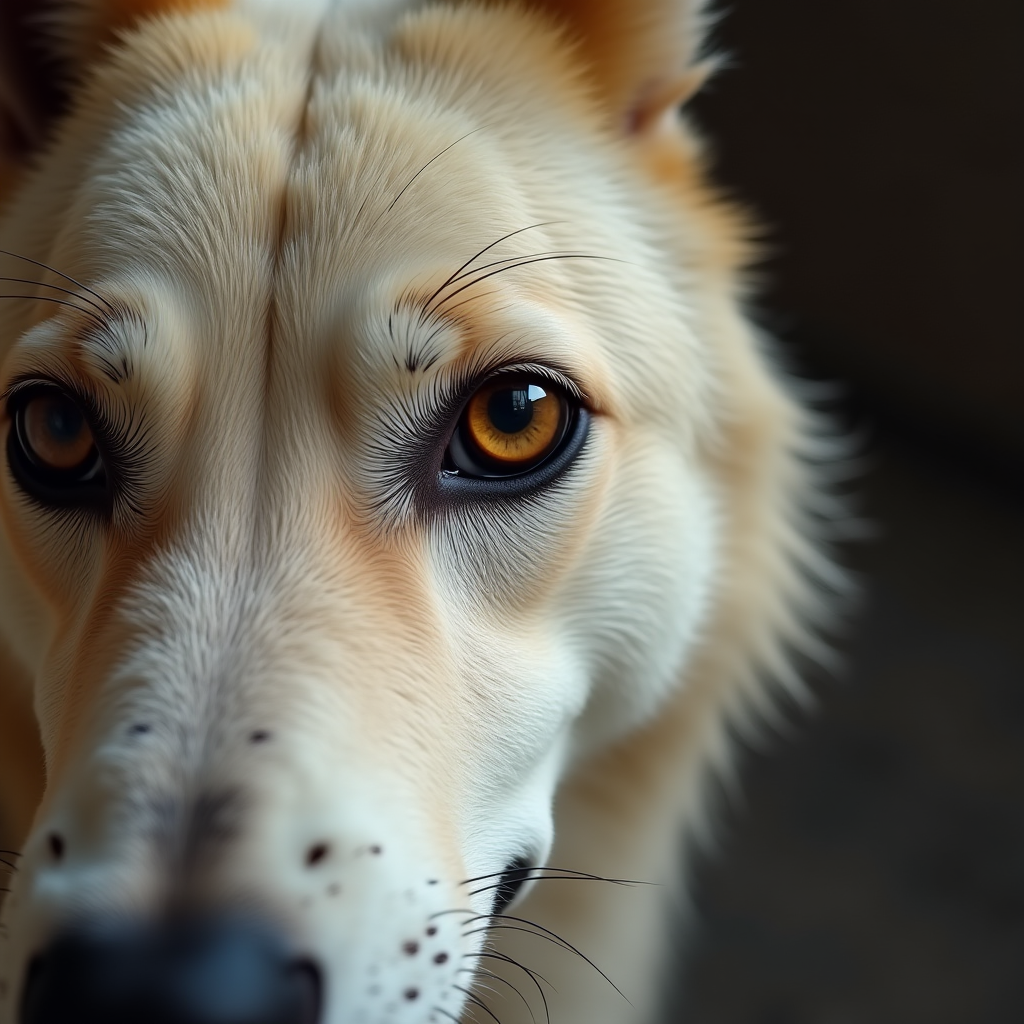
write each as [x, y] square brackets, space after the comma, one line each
[195, 972]
[307, 982]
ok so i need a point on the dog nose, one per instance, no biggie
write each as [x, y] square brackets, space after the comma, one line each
[182, 973]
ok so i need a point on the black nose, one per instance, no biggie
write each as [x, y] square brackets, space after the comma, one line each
[182, 973]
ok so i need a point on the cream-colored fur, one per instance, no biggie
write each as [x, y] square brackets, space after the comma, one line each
[261, 196]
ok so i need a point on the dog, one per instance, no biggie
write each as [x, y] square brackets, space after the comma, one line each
[399, 507]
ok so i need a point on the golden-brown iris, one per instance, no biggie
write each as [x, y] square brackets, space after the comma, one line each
[514, 423]
[55, 433]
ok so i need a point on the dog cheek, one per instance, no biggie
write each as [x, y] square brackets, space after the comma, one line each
[636, 609]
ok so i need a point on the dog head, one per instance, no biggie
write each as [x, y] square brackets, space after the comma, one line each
[364, 394]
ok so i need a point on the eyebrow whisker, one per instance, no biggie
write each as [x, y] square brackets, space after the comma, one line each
[53, 270]
[450, 309]
[97, 319]
[522, 262]
[437, 156]
[102, 310]
[455, 275]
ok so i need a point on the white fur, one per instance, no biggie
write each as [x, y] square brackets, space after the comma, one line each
[272, 192]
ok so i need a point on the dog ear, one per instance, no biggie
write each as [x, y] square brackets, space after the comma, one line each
[29, 72]
[645, 55]
[45, 48]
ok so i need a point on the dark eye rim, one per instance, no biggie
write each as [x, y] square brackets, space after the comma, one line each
[461, 488]
[492, 469]
[454, 487]
[57, 489]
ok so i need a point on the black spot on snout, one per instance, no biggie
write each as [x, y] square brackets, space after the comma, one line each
[316, 853]
[259, 736]
[56, 843]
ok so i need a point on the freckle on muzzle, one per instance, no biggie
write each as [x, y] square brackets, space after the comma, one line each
[185, 972]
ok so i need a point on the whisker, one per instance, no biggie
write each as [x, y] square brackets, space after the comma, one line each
[486, 248]
[441, 1009]
[498, 874]
[510, 259]
[450, 309]
[11, 853]
[493, 954]
[556, 878]
[366, 199]
[480, 982]
[476, 1001]
[526, 261]
[99, 321]
[526, 875]
[516, 928]
[458, 276]
[531, 974]
[560, 873]
[424, 167]
[8, 864]
[54, 270]
[497, 977]
[103, 311]
[456, 910]
[541, 933]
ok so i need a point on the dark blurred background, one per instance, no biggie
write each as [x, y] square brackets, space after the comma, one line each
[870, 869]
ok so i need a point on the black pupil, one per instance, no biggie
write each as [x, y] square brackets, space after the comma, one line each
[64, 421]
[510, 410]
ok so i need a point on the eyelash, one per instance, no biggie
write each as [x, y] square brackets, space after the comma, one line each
[411, 437]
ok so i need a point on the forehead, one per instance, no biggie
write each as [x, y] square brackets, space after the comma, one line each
[280, 194]
[257, 177]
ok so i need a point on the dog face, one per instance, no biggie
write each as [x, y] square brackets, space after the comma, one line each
[357, 481]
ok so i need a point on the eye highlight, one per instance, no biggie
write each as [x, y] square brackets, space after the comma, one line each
[510, 426]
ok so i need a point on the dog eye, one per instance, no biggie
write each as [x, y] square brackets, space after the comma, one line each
[510, 426]
[51, 449]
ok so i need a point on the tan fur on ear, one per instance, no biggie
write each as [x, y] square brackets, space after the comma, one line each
[45, 46]
[642, 52]
[652, 108]
[27, 93]
[83, 29]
